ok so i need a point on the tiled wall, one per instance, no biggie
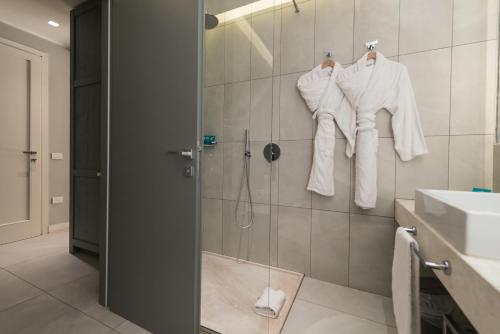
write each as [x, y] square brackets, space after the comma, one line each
[252, 66]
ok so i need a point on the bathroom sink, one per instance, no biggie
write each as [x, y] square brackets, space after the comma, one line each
[470, 221]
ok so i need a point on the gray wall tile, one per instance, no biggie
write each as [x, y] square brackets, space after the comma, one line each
[233, 170]
[261, 112]
[471, 162]
[297, 38]
[376, 19]
[211, 171]
[263, 237]
[213, 104]
[295, 118]
[237, 51]
[262, 37]
[427, 171]
[330, 246]
[294, 239]
[260, 174]
[231, 232]
[236, 111]
[212, 225]
[294, 168]
[474, 88]
[334, 30]
[214, 56]
[425, 25]
[474, 21]
[276, 109]
[370, 257]
[257, 243]
[430, 74]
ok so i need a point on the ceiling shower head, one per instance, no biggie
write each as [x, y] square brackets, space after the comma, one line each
[211, 21]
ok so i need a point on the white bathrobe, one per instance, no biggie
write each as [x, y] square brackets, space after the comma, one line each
[371, 86]
[324, 98]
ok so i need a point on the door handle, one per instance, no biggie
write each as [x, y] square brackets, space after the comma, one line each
[186, 153]
[30, 152]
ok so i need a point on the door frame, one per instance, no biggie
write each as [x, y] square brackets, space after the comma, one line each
[44, 147]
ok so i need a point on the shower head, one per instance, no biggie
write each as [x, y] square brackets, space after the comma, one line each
[211, 21]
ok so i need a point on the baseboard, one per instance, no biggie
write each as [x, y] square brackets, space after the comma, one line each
[58, 227]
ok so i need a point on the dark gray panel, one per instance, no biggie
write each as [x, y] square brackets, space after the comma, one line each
[86, 209]
[88, 45]
[87, 127]
[154, 260]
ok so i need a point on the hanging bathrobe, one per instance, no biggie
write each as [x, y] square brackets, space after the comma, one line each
[327, 102]
[370, 86]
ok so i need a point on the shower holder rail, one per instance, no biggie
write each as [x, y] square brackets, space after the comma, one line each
[444, 265]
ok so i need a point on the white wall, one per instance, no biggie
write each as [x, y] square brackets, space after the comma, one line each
[59, 76]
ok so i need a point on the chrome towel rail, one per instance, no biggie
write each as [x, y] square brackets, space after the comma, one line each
[444, 265]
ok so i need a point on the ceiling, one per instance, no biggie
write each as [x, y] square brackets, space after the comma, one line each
[219, 6]
[32, 16]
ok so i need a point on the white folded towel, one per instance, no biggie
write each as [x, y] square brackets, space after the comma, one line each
[405, 284]
[270, 303]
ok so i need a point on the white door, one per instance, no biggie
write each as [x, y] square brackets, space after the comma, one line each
[20, 144]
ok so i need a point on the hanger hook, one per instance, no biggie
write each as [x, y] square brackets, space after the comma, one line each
[370, 45]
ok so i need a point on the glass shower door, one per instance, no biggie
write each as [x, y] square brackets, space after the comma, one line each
[239, 184]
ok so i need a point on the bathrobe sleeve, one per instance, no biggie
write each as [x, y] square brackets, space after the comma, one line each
[313, 85]
[409, 139]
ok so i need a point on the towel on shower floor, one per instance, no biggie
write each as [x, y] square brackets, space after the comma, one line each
[270, 303]
[405, 284]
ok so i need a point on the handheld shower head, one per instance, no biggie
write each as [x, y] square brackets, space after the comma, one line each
[247, 144]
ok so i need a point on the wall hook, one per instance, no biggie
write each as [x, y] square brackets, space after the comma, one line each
[328, 53]
[370, 45]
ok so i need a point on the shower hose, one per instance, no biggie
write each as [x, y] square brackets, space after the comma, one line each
[245, 181]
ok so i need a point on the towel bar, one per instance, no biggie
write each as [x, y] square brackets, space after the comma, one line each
[444, 265]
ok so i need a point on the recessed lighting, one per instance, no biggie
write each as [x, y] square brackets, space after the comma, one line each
[53, 23]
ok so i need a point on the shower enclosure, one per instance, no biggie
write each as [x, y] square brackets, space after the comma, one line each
[239, 182]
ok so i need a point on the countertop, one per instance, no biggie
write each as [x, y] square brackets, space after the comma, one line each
[474, 283]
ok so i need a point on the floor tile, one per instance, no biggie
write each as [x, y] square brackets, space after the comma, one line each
[14, 290]
[46, 315]
[308, 318]
[33, 248]
[54, 270]
[83, 294]
[355, 302]
[129, 328]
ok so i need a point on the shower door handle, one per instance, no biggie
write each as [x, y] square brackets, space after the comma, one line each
[186, 153]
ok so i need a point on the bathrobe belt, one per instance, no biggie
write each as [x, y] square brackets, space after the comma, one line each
[321, 114]
[365, 121]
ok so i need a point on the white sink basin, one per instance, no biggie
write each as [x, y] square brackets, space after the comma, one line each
[469, 221]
